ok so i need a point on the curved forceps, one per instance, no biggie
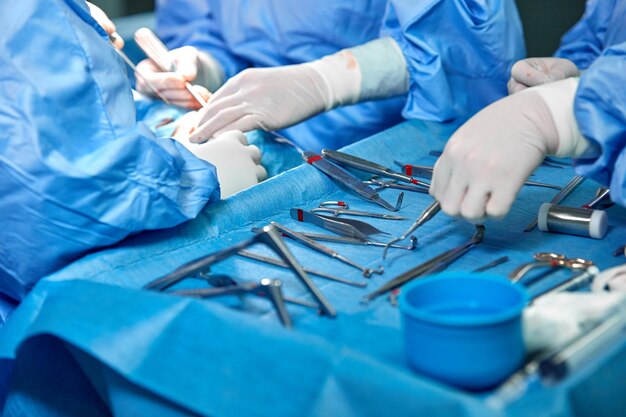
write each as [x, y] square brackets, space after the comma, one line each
[343, 208]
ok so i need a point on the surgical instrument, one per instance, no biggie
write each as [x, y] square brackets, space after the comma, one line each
[557, 199]
[619, 251]
[112, 38]
[381, 185]
[269, 236]
[220, 280]
[349, 180]
[344, 208]
[368, 166]
[427, 172]
[367, 272]
[553, 366]
[352, 241]
[269, 288]
[602, 195]
[492, 264]
[574, 282]
[548, 259]
[343, 227]
[426, 215]
[436, 264]
[281, 264]
[573, 221]
[158, 52]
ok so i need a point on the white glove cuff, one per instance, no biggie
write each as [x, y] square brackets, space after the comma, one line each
[341, 75]
[210, 73]
[559, 97]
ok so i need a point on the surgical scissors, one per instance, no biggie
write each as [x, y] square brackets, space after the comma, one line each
[344, 227]
[548, 259]
[381, 185]
[426, 215]
[344, 208]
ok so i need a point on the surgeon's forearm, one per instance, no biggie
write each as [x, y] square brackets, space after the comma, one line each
[372, 71]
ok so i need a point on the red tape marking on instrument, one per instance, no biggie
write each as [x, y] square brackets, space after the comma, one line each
[300, 215]
[408, 169]
[314, 159]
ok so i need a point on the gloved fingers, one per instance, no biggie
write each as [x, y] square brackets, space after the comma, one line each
[500, 201]
[261, 173]
[530, 73]
[474, 204]
[514, 87]
[101, 17]
[454, 194]
[186, 61]
[441, 175]
[220, 121]
[233, 135]
[255, 153]
[245, 124]
[183, 98]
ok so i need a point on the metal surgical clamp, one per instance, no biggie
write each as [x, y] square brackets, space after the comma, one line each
[344, 208]
[547, 259]
[343, 227]
[268, 288]
[158, 52]
[426, 215]
[381, 185]
[281, 264]
[436, 264]
[268, 236]
[367, 272]
[350, 181]
[602, 194]
[368, 166]
[562, 195]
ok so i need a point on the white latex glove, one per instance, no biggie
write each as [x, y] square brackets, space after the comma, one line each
[279, 97]
[531, 72]
[558, 318]
[238, 164]
[613, 279]
[488, 159]
[192, 66]
[106, 23]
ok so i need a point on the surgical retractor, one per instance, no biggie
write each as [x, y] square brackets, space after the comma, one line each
[367, 272]
[426, 215]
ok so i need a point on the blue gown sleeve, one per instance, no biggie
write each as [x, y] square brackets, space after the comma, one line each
[78, 172]
[600, 109]
[584, 42]
[192, 23]
[458, 53]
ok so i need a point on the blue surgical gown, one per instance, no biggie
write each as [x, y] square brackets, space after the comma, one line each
[77, 172]
[602, 25]
[597, 44]
[458, 52]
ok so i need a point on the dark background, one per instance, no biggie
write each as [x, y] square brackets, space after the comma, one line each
[544, 21]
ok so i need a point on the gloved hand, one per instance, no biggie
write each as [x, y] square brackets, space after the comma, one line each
[106, 23]
[488, 159]
[192, 66]
[531, 72]
[238, 164]
[275, 98]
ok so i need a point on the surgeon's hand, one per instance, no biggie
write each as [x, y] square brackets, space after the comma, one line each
[172, 84]
[263, 98]
[488, 159]
[238, 164]
[106, 23]
[531, 72]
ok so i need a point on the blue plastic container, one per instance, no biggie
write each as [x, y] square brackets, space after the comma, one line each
[464, 329]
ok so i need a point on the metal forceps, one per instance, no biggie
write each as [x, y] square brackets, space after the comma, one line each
[267, 288]
[337, 208]
[268, 236]
[381, 185]
[548, 259]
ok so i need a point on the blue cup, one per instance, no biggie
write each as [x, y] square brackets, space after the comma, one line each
[464, 329]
